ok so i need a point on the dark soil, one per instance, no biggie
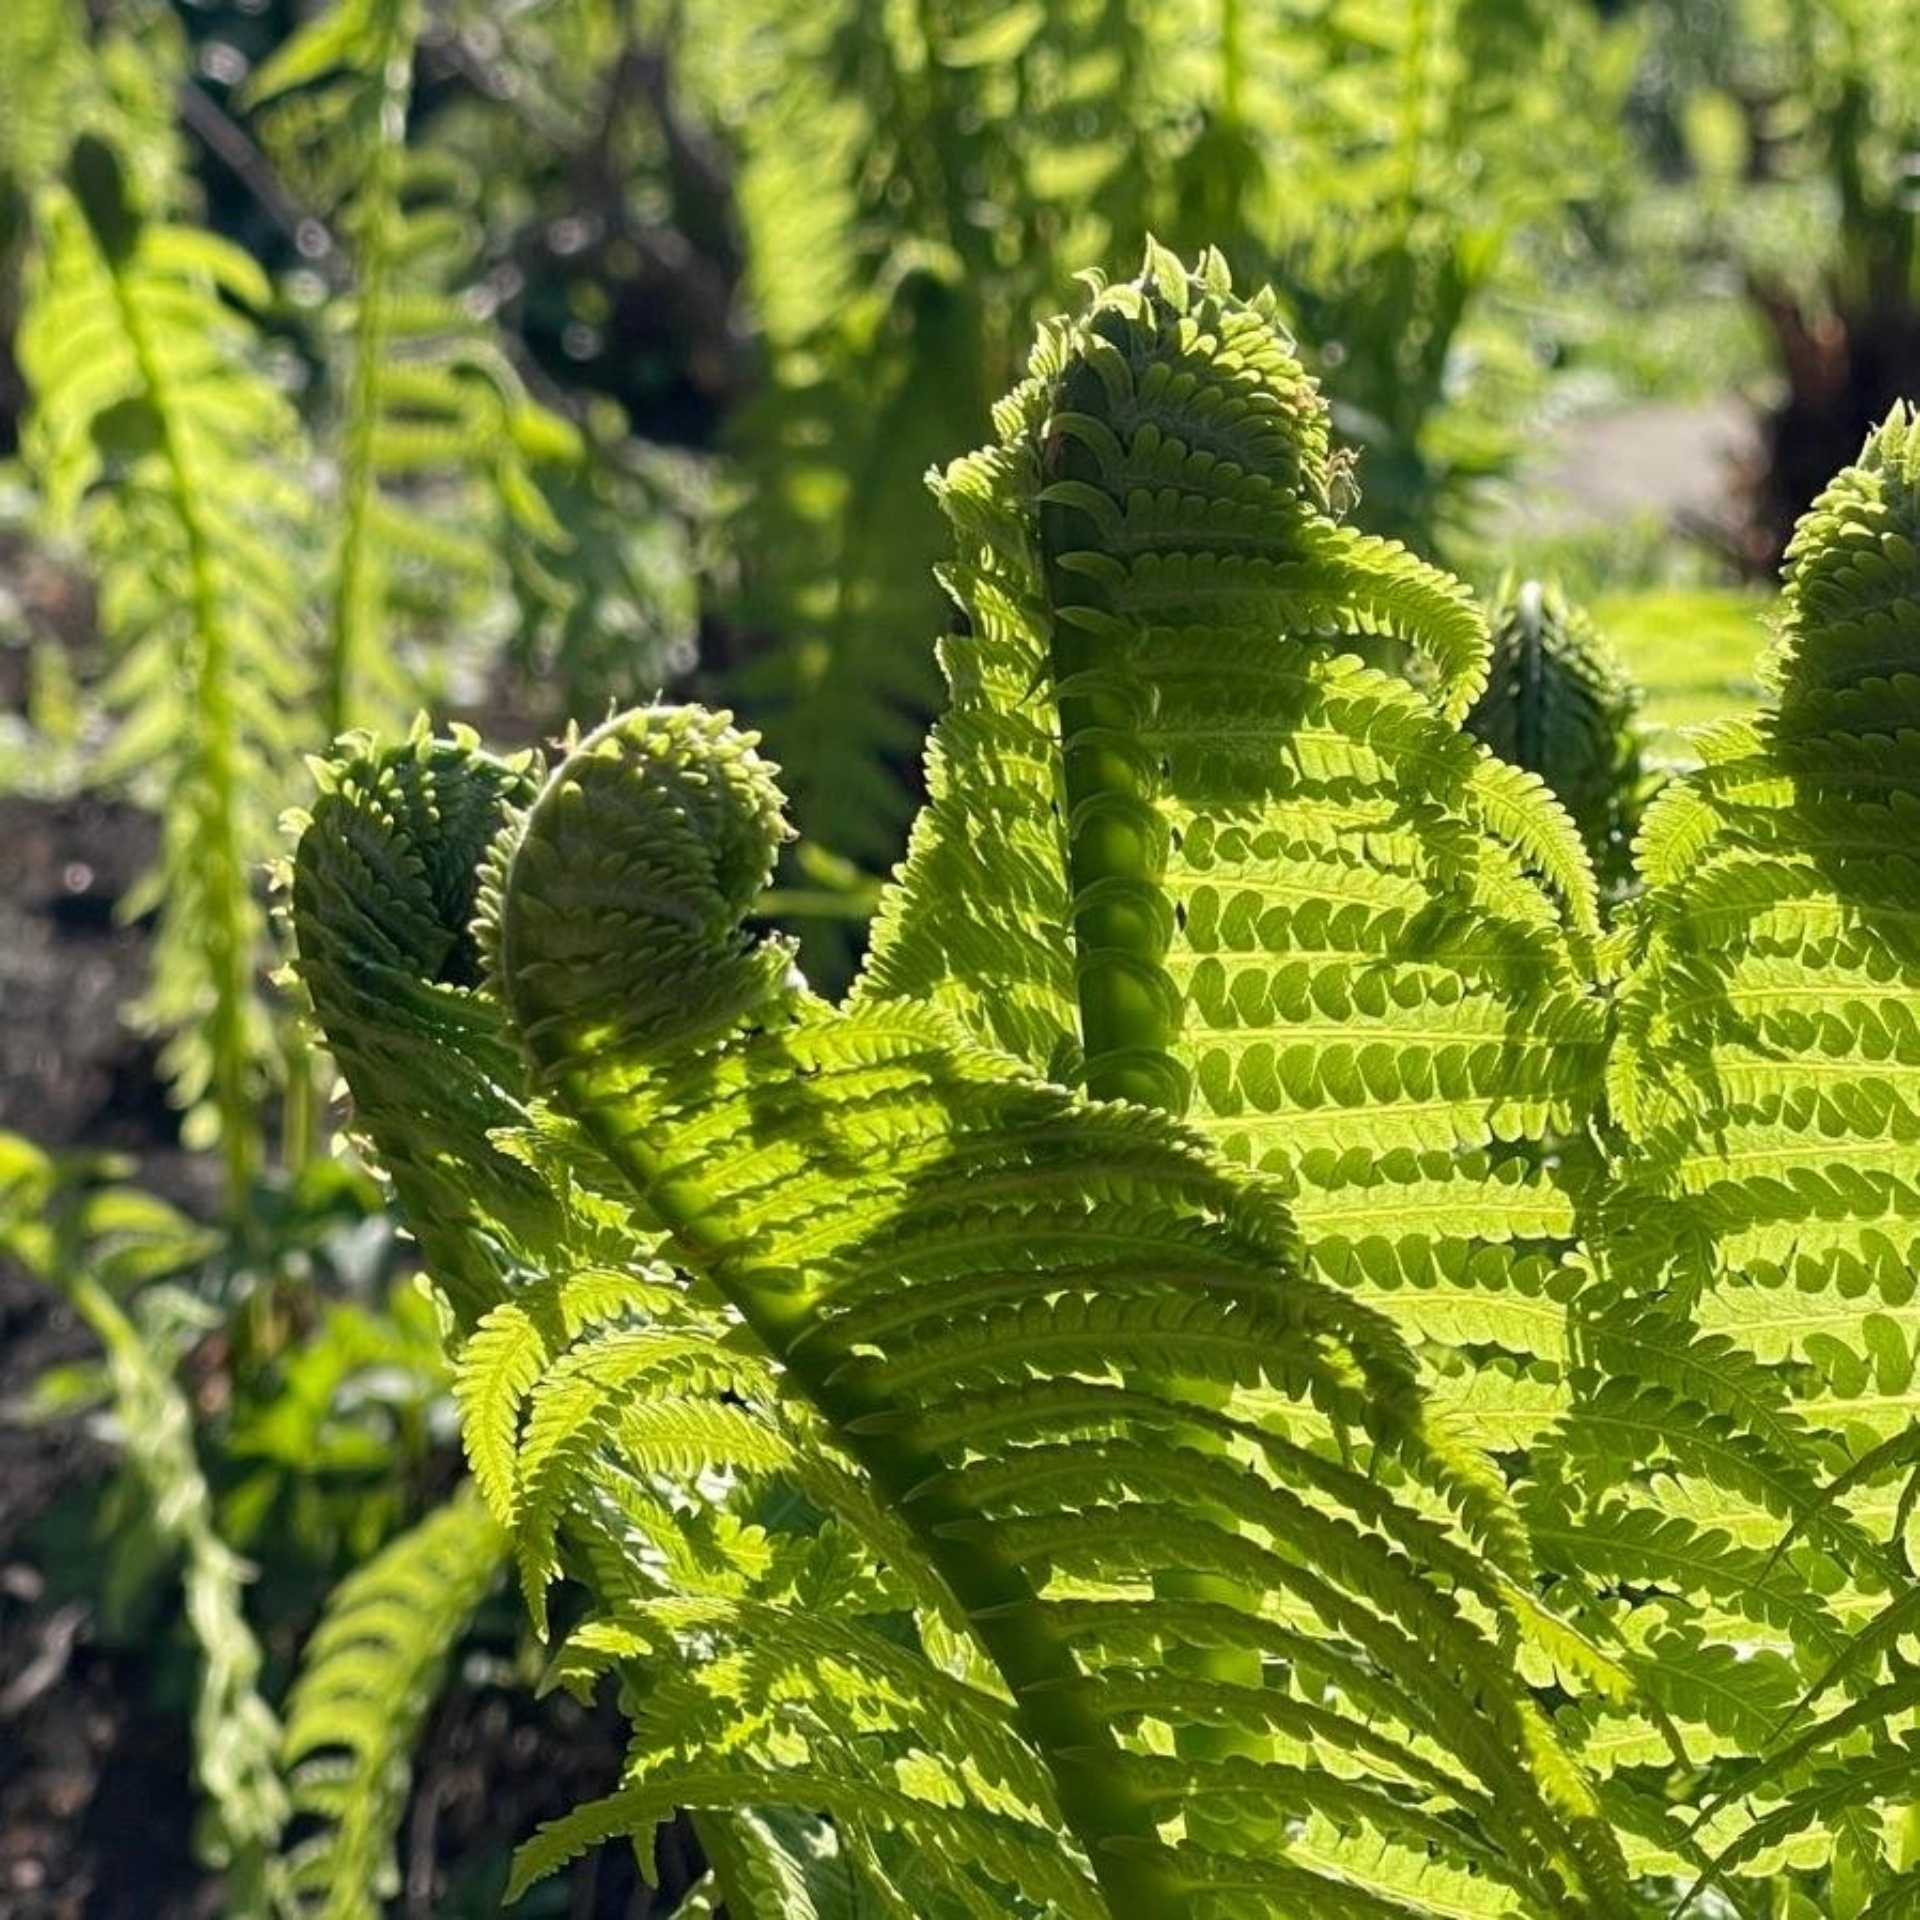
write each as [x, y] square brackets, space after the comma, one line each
[95, 1811]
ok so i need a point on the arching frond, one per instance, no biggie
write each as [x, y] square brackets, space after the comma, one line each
[369, 1676]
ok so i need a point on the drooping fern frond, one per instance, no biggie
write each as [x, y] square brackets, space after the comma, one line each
[92, 1242]
[1749, 1354]
[1559, 703]
[157, 438]
[369, 1676]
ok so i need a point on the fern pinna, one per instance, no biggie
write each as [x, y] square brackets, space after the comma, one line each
[1262, 1363]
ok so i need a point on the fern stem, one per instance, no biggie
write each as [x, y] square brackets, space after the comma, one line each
[1117, 844]
[229, 946]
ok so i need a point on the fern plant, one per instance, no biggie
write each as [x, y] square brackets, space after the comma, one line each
[97, 1242]
[370, 1671]
[1319, 1376]
[1067, 1387]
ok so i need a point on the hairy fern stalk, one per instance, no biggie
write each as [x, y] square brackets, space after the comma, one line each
[1264, 1362]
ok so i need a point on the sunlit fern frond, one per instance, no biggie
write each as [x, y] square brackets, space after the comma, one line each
[39, 51]
[1749, 1356]
[598, 1398]
[435, 427]
[157, 438]
[1311, 915]
[1029, 1322]
[1559, 702]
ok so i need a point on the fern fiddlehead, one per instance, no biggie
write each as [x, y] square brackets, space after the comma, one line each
[1366, 943]
[1558, 703]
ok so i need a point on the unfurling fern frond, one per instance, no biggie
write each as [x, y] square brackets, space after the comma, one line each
[1559, 703]
[156, 436]
[595, 1392]
[368, 1678]
[1348, 943]
[1749, 1351]
[1046, 1337]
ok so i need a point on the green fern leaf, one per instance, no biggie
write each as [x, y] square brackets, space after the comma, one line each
[1309, 914]
[155, 436]
[1750, 1335]
[729, 1096]
[368, 1679]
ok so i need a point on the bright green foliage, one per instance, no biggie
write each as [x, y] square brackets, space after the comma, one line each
[36, 59]
[1559, 703]
[369, 1675]
[1348, 943]
[1749, 1336]
[912, 176]
[95, 1243]
[157, 438]
[1255, 1308]
[597, 1392]
[1049, 1338]
[1062, 1345]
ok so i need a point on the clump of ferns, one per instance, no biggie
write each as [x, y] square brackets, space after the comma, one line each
[1232, 1099]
